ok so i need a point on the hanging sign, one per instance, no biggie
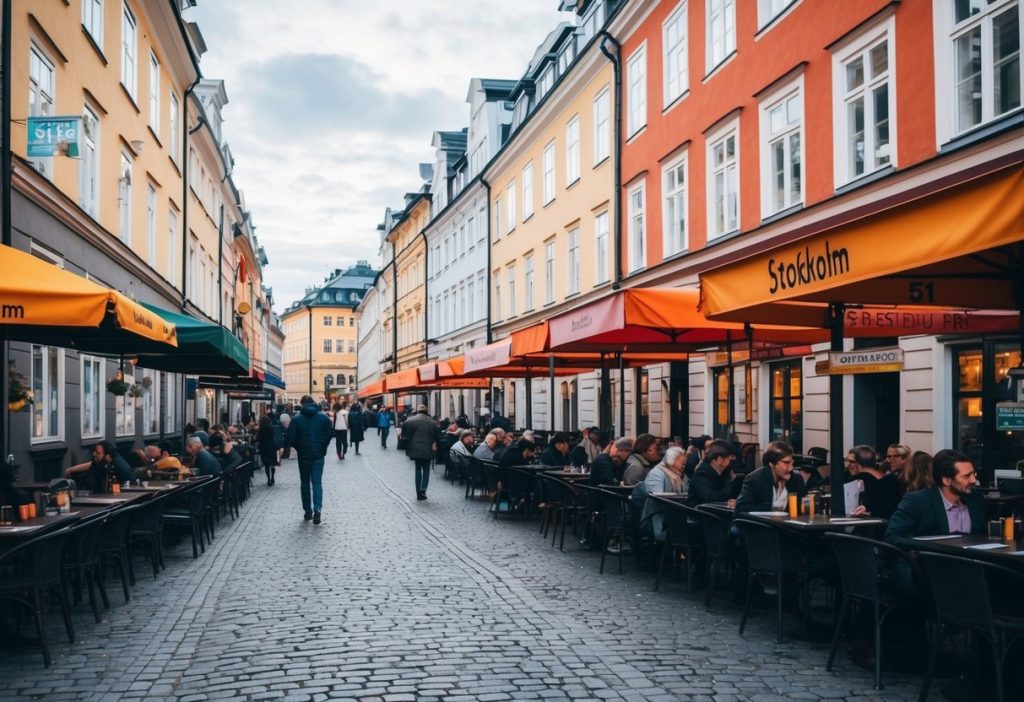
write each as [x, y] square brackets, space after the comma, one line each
[882, 360]
[1010, 416]
[53, 136]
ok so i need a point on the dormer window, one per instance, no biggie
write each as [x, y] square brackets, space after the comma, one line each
[567, 54]
[546, 82]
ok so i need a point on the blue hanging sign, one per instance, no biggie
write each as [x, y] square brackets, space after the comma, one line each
[54, 136]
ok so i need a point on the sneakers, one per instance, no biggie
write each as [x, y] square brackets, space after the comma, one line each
[316, 517]
[421, 495]
[307, 515]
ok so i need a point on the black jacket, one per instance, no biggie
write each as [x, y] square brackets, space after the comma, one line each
[922, 513]
[310, 432]
[420, 434]
[602, 471]
[759, 487]
[707, 485]
[551, 457]
[881, 495]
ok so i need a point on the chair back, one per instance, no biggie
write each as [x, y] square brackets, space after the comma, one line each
[862, 563]
[520, 483]
[616, 509]
[490, 476]
[41, 558]
[115, 532]
[764, 546]
[85, 540]
[674, 514]
[716, 532]
[960, 588]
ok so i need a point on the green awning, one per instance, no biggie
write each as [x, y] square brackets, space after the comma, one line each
[203, 348]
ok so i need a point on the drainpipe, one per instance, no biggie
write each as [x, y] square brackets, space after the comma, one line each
[607, 38]
[426, 297]
[487, 187]
[310, 308]
[394, 309]
[6, 160]
[186, 133]
[220, 268]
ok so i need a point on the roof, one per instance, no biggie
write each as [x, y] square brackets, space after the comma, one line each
[342, 287]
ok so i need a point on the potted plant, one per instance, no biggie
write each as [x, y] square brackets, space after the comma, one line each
[117, 385]
[136, 390]
[19, 396]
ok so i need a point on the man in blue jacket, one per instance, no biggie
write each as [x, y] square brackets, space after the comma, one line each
[310, 433]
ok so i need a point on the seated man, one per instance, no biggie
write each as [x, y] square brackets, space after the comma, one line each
[605, 468]
[713, 479]
[588, 449]
[882, 491]
[768, 488]
[464, 443]
[520, 453]
[203, 462]
[225, 452]
[487, 448]
[556, 454]
[165, 460]
[949, 507]
[105, 460]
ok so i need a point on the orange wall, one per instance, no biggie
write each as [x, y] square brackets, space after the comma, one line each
[800, 36]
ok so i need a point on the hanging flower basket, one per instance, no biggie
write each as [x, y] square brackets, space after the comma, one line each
[117, 385]
[19, 396]
[136, 390]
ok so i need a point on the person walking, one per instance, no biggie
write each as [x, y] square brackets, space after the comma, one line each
[267, 444]
[383, 425]
[421, 446]
[341, 415]
[285, 420]
[356, 427]
[310, 434]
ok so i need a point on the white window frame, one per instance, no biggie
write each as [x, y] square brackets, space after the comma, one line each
[602, 126]
[497, 295]
[42, 89]
[675, 197]
[528, 270]
[549, 172]
[769, 10]
[89, 168]
[549, 272]
[172, 244]
[511, 272]
[676, 52]
[154, 93]
[92, 20]
[151, 403]
[174, 125]
[124, 408]
[574, 261]
[784, 97]
[601, 247]
[45, 394]
[946, 34]
[129, 50]
[636, 91]
[860, 47]
[720, 135]
[527, 191]
[510, 203]
[125, 177]
[498, 231]
[93, 399]
[151, 225]
[636, 220]
[572, 151]
[720, 17]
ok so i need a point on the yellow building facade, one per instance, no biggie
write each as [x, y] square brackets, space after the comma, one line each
[406, 238]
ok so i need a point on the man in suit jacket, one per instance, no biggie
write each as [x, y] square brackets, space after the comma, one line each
[950, 507]
[769, 486]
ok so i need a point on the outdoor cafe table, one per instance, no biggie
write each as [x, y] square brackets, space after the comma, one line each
[12, 535]
[567, 474]
[1009, 554]
[1000, 504]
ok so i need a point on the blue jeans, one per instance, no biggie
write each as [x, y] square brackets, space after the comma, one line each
[422, 474]
[383, 432]
[311, 472]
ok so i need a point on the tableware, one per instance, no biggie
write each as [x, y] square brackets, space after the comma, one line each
[23, 513]
[7, 515]
[794, 507]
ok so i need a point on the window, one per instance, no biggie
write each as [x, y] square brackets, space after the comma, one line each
[89, 166]
[549, 272]
[351, 346]
[673, 182]
[497, 295]
[510, 202]
[768, 10]
[497, 228]
[128, 50]
[328, 321]
[173, 126]
[636, 80]
[125, 198]
[781, 153]
[786, 401]
[124, 409]
[985, 72]
[574, 260]
[601, 246]
[481, 291]
[549, 172]
[527, 193]
[172, 243]
[723, 180]
[721, 29]
[673, 39]
[339, 345]
[150, 402]
[602, 130]
[40, 97]
[512, 290]
[528, 283]
[154, 93]
[572, 151]
[351, 321]
[327, 345]
[636, 227]
[864, 104]
[546, 82]
[92, 20]
[171, 381]
[93, 394]
[151, 225]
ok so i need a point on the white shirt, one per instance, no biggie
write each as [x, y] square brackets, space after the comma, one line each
[341, 420]
[780, 497]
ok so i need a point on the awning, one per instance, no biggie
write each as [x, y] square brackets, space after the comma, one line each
[273, 380]
[401, 380]
[958, 247]
[371, 390]
[203, 348]
[43, 304]
[655, 320]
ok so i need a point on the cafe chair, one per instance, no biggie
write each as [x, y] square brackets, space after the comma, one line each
[682, 538]
[113, 545]
[865, 566]
[186, 514]
[568, 509]
[718, 545]
[499, 495]
[82, 562]
[520, 490]
[768, 554]
[960, 589]
[476, 477]
[147, 530]
[31, 569]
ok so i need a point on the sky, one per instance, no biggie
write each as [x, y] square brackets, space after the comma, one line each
[333, 103]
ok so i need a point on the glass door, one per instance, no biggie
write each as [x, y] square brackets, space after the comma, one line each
[786, 414]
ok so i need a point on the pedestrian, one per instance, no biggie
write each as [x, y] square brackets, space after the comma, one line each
[421, 446]
[341, 429]
[356, 426]
[310, 434]
[383, 425]
[267, 443]
[286, 419]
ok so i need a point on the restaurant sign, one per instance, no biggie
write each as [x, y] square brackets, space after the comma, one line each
[1010, 416]
[52, 136]
[882, 360]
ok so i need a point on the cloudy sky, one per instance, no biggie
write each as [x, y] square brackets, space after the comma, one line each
[332, 104]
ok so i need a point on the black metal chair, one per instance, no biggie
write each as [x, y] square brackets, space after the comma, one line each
[718, 545]
[569, 508]
[147, 529]
[186, 514]
[864, 566]
[768, 554]
[82, 561]
[615, 510]
[682, 537]
[962, 594]
[520, 489]
[31, 569]
[476, 477]
[113, 545]
[211, 506]
[549, 503]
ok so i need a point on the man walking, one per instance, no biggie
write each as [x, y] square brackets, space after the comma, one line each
[310, 433]
[383, 425]
[421, 435]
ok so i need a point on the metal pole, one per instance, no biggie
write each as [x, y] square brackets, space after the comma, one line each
[605, 410]
[835, 414]
[622, 395]
[551, 377]
[529, 400]
[730, 417]
[5, 206]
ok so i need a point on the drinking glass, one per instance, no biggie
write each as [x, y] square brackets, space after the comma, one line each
[7, 514]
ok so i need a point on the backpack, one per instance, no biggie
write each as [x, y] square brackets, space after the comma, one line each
[278, 436]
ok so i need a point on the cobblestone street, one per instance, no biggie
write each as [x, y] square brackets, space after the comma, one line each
[396, 599]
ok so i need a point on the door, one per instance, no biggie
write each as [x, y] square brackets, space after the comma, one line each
[786, 402]
[720, 383]
[643, 405]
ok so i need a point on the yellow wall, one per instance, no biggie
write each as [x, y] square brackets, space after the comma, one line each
[296, 348]
[411, 267]
[574, 206]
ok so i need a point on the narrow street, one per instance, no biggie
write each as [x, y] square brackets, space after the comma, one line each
[396, 599]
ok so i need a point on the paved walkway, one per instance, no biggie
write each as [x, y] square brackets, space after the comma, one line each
[396, 599]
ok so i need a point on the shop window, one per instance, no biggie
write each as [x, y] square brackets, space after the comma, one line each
[786, 403]
[47, 393]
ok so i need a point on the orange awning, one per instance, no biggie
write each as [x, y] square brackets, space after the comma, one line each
[959, 247]
[371, 390]
[44, 304]
[401, 380]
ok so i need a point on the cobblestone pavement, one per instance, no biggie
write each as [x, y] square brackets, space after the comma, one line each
[394, 599]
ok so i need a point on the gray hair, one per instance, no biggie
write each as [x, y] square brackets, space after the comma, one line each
[194, 440]
[672, 455]
[624, 444]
